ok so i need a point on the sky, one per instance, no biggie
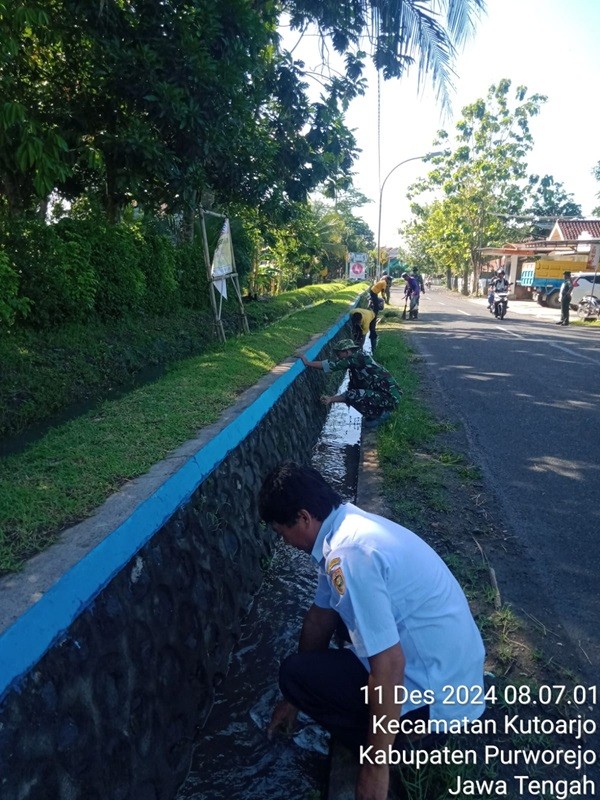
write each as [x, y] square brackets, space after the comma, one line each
[550, 46]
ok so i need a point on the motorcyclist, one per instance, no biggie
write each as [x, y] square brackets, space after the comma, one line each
[499, 284]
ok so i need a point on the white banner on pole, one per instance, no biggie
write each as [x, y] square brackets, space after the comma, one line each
[357, 266]
[593, 257]
[222, 262]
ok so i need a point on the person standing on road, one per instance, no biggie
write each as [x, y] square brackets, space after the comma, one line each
[371, 389]
[413, 638]
[419, 279]
[411, 292]
[564, 298]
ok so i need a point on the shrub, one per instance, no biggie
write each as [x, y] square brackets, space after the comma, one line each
[159, 264]
[57, 276]
[117, 251]
[10, 302]
[191, 275]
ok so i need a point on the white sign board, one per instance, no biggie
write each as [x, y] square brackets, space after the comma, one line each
[357, 266]
[594, 256]
[222, 263]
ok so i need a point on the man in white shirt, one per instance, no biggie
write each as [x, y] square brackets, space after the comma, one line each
[409, 622]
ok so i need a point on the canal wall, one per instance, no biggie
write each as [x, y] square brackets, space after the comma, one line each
[112, 642]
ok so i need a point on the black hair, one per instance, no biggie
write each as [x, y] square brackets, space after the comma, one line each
[291, 487]
[356, 316]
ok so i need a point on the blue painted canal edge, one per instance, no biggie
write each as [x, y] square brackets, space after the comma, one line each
[29, 637]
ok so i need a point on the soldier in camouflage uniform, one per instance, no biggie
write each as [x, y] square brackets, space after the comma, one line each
[371, 390]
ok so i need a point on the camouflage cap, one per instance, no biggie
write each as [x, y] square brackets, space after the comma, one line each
[345, 344]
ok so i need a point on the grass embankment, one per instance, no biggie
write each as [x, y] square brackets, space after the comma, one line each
[76, 466]
[431, 486]
[44, 372]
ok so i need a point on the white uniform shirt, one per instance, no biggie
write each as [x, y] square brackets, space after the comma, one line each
[389, 586]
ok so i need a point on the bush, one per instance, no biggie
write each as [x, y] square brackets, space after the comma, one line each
[159, 264]
[191, 275]
[10, 302]
[57, 277]
[117, 252]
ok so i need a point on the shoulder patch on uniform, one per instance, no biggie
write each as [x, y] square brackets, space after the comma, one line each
[338, 580]
[333, 563]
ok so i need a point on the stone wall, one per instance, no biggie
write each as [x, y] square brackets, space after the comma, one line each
[110, 712]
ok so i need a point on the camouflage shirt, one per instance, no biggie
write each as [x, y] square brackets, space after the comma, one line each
[365, 373]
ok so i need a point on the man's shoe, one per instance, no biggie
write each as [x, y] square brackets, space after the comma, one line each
[559, 323]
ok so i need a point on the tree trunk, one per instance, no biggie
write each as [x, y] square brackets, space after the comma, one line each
[476, 273]
[189, 216]
[465, 281]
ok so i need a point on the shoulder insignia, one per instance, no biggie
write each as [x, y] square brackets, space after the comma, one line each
[333, 563]
[337, 578]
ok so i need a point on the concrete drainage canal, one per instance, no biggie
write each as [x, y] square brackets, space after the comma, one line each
[233, 760]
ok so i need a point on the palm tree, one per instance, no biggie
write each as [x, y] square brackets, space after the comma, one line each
[398, 34]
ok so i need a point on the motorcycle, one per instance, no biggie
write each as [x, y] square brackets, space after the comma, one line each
[500, 304]
[589, 307]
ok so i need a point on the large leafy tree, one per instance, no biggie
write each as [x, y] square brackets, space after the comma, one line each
[548, 201]
[156, 101]
[481, 179]
[33, 149]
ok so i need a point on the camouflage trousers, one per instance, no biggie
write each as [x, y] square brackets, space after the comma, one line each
[372, 403]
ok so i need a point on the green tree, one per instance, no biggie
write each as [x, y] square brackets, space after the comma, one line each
[33, 150]
[158, 101]
[548, 201]
[401, 33]
[480, 181]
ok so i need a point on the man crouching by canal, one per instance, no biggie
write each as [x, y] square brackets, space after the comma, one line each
[416, 658]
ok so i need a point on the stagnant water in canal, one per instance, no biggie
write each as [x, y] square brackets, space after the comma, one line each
[233, 759]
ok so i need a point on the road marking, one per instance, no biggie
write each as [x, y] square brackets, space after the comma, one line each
[573, 353]
[509, 331]
[466, 313]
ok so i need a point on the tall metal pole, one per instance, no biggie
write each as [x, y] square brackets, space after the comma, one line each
[406, 160]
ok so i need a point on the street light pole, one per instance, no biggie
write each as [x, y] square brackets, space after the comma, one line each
[406, 160]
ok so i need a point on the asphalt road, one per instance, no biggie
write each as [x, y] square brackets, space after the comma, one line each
[529, 393]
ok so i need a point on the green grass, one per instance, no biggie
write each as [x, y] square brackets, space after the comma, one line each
[403, 444]
[419, 471]
[75, 467]
[44, 372]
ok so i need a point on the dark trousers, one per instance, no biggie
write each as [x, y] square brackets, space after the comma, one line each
[376, 302]
[327, 686]
[564, 310]
[373, 333]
